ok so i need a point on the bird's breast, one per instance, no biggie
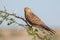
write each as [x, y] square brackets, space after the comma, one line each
[31, 19]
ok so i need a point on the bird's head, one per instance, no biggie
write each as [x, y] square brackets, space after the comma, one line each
[27, 9]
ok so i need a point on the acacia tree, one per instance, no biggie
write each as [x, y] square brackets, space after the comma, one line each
[34, 32]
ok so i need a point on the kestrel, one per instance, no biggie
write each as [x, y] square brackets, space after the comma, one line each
[34, 20]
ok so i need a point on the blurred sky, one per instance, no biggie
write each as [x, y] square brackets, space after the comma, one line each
[47, 10]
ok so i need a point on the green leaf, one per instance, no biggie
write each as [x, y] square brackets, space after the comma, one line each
[1, 21]
[9, 23]
[13, 20]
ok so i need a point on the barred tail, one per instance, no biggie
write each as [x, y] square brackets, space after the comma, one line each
[48, 29]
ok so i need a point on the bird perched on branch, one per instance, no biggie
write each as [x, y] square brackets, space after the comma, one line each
[34, 20]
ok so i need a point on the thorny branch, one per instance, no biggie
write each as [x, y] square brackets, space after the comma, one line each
[5, 11]
[16, 17]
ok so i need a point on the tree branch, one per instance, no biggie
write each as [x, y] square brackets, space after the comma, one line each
[16, 17]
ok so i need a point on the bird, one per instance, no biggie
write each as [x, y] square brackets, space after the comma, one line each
[35, 20]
